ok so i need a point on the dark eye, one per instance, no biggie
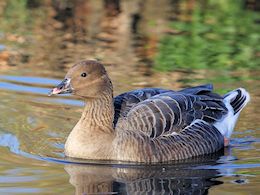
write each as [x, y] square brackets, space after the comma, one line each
[84, 74]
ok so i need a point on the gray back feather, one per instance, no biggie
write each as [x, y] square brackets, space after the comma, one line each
[169, 111]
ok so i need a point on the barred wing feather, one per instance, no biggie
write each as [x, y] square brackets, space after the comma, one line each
[171, 112]
[126, 101]
[123, 103]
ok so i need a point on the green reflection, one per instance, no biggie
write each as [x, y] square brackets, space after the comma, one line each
[217, 34]
[15, 15]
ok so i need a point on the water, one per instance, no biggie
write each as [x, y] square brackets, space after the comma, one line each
[34, 127]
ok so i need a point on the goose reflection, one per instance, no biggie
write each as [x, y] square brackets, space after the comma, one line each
[177, 178]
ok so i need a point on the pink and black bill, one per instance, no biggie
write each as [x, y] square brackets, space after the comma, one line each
[63, 88]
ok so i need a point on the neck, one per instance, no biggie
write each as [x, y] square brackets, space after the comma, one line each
[92, 137]
[99, 113]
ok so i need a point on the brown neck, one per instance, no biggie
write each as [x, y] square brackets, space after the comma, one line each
[99, 113]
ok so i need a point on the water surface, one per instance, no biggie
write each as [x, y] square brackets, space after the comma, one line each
[35, 53]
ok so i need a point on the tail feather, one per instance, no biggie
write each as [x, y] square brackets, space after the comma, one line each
[235, 101]
[239, 101]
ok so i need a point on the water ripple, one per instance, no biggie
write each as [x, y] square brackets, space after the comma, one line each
[30, 80]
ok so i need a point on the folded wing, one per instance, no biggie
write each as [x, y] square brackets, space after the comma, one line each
[168, 112]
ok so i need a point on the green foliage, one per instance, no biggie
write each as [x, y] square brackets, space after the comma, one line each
[19, 18]
[221, 35]
[15, 15]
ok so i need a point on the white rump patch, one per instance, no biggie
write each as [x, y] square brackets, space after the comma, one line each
[228, 122]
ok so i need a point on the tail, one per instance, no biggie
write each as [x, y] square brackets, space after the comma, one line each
[235, 101]
[238, 99]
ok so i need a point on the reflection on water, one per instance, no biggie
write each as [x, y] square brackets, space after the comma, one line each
[167, 179]
[39, 40]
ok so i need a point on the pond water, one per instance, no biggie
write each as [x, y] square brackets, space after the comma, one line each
[40, 41]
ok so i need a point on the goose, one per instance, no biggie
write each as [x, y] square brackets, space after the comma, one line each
[149, 125]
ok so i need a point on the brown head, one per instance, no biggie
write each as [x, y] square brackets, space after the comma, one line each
[87, 79]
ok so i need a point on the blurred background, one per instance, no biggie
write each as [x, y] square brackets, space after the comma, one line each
[143, 43]
[144, 35]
